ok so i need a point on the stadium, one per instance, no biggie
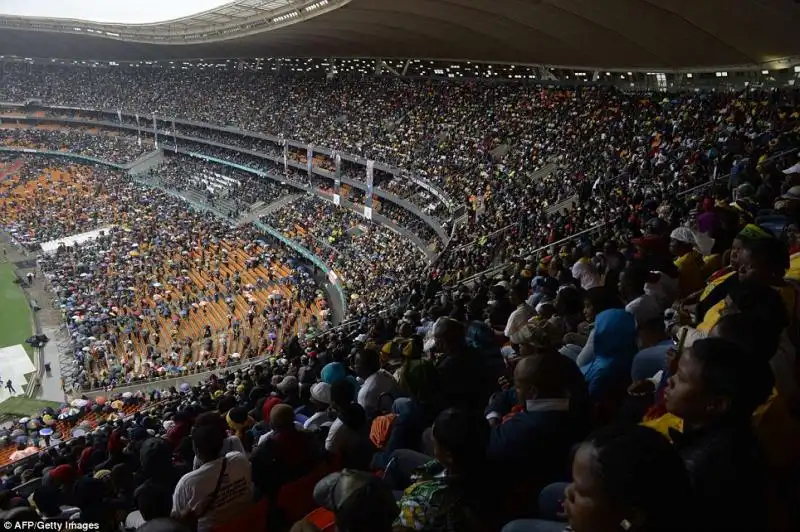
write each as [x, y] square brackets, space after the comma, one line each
[384, 266]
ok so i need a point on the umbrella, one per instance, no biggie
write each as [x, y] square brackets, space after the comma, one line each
[73, 412]
[127, 395]
[79, 403]
[100, 400]
[46, 432]
[17, 432]
[77, 432]
[185, 387]
[48, 420]
[117, 405]
[24, 420]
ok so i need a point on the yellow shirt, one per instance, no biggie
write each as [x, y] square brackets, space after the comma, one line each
[777, 431]
[793, 272]
[690, 270]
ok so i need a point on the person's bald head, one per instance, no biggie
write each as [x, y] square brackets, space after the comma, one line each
[449, 334]
[542, 377]
[281, 417]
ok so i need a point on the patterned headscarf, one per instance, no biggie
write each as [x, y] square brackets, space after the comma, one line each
[754, 232]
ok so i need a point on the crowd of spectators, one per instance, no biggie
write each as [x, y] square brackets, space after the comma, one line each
[139, 300]
[109, 147]
[642, 377]
[240, 189]
[373, 264]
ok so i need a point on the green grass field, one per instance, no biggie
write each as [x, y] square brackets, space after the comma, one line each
[15, 313]
[23, 406]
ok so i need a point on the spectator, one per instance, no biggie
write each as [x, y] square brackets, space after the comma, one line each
[221, 487]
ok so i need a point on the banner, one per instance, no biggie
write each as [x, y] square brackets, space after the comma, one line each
[368, 199]
[138, 131]
[310, 159]
[337, 175]
[155, 132]
[337, 199]
[285, 157]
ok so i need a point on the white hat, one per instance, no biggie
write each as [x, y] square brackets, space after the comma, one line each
[683, 234]
[321, 393]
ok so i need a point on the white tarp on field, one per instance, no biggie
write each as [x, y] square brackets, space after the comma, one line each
[52, 246]
[14, 365]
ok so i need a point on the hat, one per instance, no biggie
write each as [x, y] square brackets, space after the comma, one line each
[683, 234]
[321, 393]
[792, 194]
[537, 334]
[333, 372]
[352, 495]
[62, 474]
[288, 383]
[794, 169]
[745, 190]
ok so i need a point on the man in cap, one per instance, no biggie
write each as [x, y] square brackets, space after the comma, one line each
[682, 242]
[359, 501]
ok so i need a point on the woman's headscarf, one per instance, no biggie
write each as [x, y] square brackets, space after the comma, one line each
[614, 348]
[754, 232]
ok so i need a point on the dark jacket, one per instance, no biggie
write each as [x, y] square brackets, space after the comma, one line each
[729, 475]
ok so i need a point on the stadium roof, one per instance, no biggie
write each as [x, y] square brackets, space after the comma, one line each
[633, 34]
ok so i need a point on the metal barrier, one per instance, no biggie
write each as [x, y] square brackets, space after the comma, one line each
[727, 176]
[494, 270]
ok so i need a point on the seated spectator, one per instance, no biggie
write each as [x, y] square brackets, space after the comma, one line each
[359, 501]
[608, 375]
[623, 478]
[221, 487]
[535, 438]
[348, 436]
[453, 492]
[321, 402]
[285, 454]
[716, 389]
[153, 502]
[378, 387]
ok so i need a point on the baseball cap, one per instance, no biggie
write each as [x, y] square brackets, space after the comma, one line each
[356, 497]
[792, 194]
[321, 392]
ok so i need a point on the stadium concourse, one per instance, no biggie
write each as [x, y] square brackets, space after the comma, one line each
[442, 405]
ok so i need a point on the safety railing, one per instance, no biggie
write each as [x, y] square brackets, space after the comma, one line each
[727, 176]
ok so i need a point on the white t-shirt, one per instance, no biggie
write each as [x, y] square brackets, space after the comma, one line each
[234, 497]
[317, 420]
[232, 444]
[645, 308]
[586, 274]
[341, 437]
[379, 383]
[518, 318]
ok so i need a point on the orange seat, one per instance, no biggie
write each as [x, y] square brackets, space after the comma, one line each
[323, 519]
[255, 518]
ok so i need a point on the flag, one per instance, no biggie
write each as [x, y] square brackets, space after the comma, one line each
[155, 131]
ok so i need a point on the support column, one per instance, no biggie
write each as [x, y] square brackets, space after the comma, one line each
[368, 199]
[337, 178]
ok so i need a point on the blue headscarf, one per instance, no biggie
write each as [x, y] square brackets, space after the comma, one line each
[334, 372]
[614, 349]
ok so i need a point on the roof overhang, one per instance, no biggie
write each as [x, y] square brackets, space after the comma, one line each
[635, 34]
